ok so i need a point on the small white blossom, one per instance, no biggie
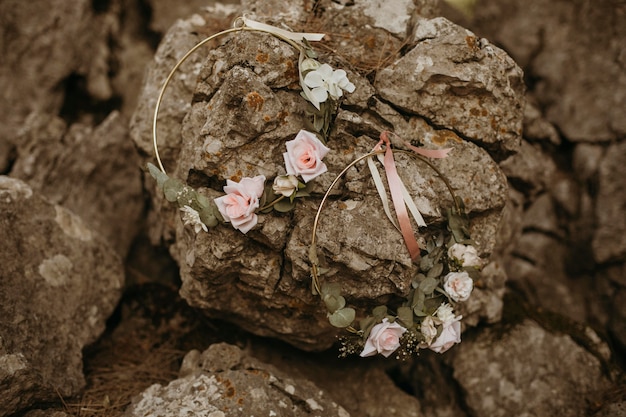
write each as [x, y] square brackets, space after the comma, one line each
[324, 82]
[445, 313]
[466, 255]
[192, 217]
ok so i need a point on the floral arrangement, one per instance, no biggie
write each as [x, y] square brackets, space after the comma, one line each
[448, 265]
[448, 262]
[322, 86]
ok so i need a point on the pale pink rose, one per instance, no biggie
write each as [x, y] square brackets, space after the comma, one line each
[450, 335]
[466, 255]
[458, 285]
[304, 156]
[240, 202]
[384, 338]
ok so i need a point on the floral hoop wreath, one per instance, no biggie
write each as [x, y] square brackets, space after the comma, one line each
[447, 270]
[321, 85]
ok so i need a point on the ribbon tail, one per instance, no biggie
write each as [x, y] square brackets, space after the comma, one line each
[380, 187]
[429, 153]
[294, 36]
[398, 202]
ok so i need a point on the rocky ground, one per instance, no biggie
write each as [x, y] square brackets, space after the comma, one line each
[111, 307]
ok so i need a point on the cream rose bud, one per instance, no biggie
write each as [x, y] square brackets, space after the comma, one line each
[450, 335]
[429, 330]
[384, 338]
[304, 156]
[466, 255]
[240, 202]
[285, 185]
[458, 285]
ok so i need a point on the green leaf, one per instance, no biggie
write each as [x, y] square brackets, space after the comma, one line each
[207, 217]
[187, 196]
[405, 315]
[428, 285]
[418, 299]
[379, 312]
[157, 174]
[284, 206]
[342, 317]
[172, 188]
[435, 271]
[331, 288]
[334, 302]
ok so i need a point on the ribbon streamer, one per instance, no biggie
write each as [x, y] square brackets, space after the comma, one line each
[399, 194]
[294, 36]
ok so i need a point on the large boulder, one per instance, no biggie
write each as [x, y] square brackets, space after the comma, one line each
[245, 106]
[59, 282]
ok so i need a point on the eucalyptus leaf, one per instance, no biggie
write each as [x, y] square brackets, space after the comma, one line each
[342, 317]
[284, 206]
[157, 174]
[428, 285]
[334, 302]
[171, 189]
[435, 271]
[187, 196]
[207, 217]
[379, 312]
[331, 288]
[419, 312]
[405, 315]
[366, 325]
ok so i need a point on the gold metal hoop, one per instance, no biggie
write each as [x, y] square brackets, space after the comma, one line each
[185, 57]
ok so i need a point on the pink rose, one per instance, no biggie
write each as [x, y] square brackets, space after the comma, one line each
[240, 202]
[450, 334]
[466, 255]
[304, 156]
[458, 285]
[384, 338]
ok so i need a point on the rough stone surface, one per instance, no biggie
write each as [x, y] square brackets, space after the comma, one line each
[458, 81]
[518, 371]
[223, 381]
[245, 106]
[91, 171]
[609, 240]
[59, 283]
[574, 52]
[44, 52]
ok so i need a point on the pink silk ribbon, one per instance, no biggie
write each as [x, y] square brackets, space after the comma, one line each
[395, 189]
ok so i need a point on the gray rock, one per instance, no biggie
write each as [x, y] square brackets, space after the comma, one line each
[245, 106]
[526, 371]
[458, 81]
[59, 282]
[223, 381]
[91, 171]
[609, 240]
[531, 170]
[44, 50]
[575, 55]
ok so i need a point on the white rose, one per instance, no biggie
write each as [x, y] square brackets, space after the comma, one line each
[450, 334]
[285, 185]
[384, 338]
[466, 255]
[458, 285]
